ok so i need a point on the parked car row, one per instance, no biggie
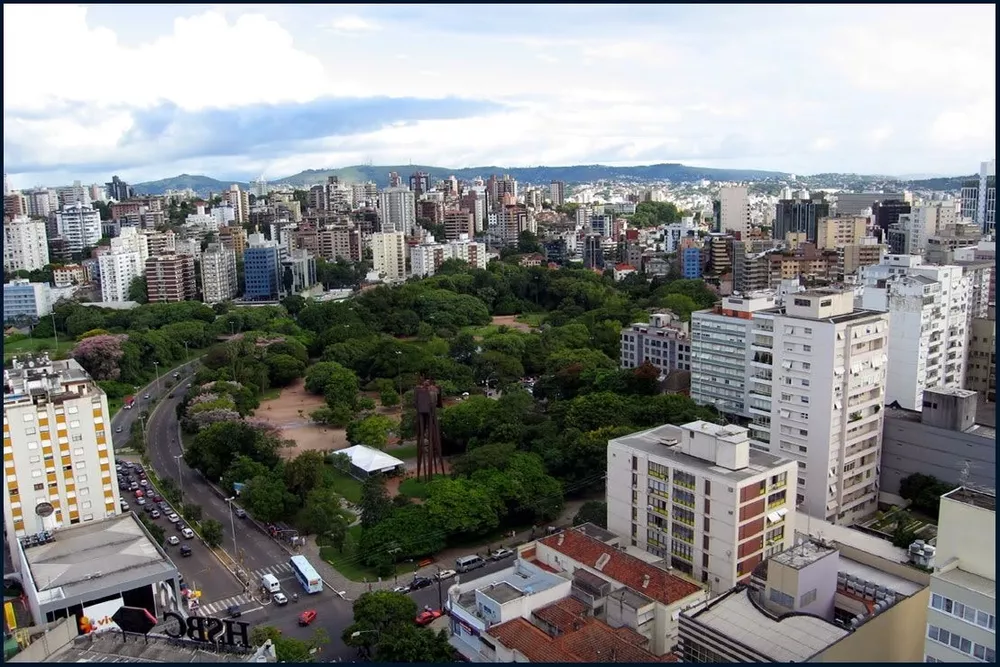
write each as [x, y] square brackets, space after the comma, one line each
[132, 477]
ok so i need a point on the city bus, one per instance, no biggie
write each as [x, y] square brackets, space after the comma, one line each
[307, 576]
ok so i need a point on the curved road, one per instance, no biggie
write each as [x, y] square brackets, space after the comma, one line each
[256, 552]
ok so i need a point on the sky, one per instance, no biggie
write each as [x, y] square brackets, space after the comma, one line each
[236, 91]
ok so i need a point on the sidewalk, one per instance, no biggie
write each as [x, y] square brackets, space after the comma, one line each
[445, 559]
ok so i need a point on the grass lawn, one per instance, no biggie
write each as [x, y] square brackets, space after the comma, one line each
[345, 485]
[64, 346]
[531, 319]
[480, 332]
[405, 452]
[349, 563]
[270, 394]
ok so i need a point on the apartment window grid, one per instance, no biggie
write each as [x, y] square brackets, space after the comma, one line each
[963, 612]
[961, 644]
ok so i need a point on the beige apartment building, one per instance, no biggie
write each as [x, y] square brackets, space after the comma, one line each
[57, 450]
[837, 231]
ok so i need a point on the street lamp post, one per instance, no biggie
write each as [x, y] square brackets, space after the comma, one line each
[156, 365]
[399, 378]
[440, 591]
[180, 478]
[232, 526]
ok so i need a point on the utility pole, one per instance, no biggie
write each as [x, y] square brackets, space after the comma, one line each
[440, 591]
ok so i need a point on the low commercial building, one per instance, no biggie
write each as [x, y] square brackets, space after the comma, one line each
[944, 441]
[814, 603]
[23, 299]
[93, 569]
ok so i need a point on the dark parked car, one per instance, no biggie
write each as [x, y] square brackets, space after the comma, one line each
[419, 582]
[185, 550]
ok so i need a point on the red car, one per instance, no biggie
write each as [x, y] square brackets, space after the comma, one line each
[307, 617]
[138, 493]
[427, 616]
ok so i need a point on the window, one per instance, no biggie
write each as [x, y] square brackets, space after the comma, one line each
[783, 599]
[78, 451]
[74, 424]
[33, 445]
[80, 465]
[86, 504]
[802, 302]
[29, 417]
[807, 598]
[72, 410]
[34, 459]
[39, 487]
[77, 437]
[36, 473]
[964, 612]
[30, 430]
[85, 491]
[82, 479]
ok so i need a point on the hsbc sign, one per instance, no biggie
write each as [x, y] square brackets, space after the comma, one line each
[205, 629]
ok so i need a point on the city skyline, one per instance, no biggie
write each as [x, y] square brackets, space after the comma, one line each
[689, 84]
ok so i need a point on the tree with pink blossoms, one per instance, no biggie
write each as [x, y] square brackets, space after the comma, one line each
[100, 355]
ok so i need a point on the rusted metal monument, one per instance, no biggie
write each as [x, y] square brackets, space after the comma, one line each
[430, 462]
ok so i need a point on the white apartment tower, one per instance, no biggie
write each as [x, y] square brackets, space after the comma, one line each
[25, 245]
[928, 310]
[734, 210]
[121, 264]
[397, 210]
[817, 385]
[923, 222]
[389, 255]
[721, 356]
[663, 342]
[80, 225]
[218, 274]
[58, 458]
[961, 619]
[698, 496]
[427, 257]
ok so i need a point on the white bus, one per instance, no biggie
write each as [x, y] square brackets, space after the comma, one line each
[307, 576]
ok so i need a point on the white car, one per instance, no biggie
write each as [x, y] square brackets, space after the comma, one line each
[444, 574]
[124, 506]
[280, 599]
[140, 501]
[187, 533]
[173, 540]
[173, 518]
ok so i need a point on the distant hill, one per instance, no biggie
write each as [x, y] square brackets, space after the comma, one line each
[535, 175]
[677, 173]
[200, 184]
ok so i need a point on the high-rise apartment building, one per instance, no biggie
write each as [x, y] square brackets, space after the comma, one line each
[58, 459]
[887, 214]
[698, 496]
[507, 222]
[799, 216]
[73, 195]
[979, 198]
[838, 231]
[855, 203]
[734, 210]
[341, 242]
[557, 193]
[239, 200]
[261, 269]
[122, 263]
[397, 210]
[981, 369]
[40, 203]
[850, 258]
[928, 308]
[25, 245]
[961, 620]
[79, 225]
[420, 183]
[721, 353]
[118, 190]
[817, 381]
[912, 230]
[170, 278]
[663, 342]
[426, 258]
[218, 274]
[234, 237]
[457, 224]
[389, 255]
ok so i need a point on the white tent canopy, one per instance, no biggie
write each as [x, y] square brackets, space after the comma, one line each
[370, 460]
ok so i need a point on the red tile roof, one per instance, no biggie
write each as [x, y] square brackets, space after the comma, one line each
[562, 615]
[590, 641]
[662, 586]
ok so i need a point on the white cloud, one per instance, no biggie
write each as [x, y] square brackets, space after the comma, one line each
[896, 90]
[352, 24]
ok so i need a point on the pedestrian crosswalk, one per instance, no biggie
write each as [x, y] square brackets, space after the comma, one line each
[281, 571]
[243, 601]
[276, 570]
